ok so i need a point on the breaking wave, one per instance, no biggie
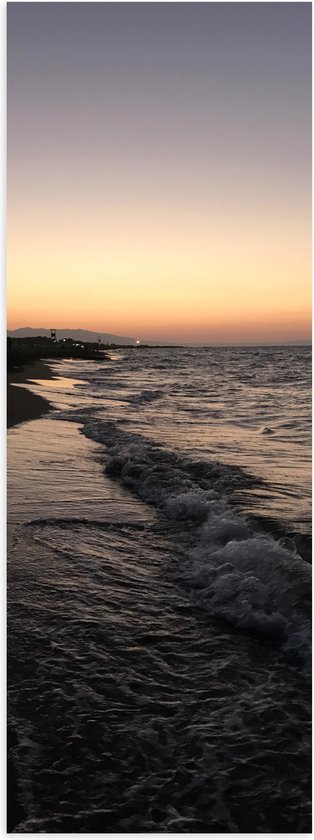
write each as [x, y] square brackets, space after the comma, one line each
[234, 573]
[158, 650]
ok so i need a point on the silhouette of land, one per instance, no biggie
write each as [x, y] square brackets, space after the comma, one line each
[21, 351]
[22, 404]
[88, 336]
[24, 363]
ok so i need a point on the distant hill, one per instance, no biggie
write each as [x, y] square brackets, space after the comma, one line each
[77, 335]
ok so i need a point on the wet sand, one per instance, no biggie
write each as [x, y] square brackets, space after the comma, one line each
[22, 404]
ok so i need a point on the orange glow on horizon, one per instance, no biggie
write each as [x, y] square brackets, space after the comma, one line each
[196, 279]
[159, 169]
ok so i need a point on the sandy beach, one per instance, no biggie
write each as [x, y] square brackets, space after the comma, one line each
[120, 571]
[22, 404]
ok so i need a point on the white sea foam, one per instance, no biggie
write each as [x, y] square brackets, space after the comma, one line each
[246, 578]
[166, 652]
[254, 583]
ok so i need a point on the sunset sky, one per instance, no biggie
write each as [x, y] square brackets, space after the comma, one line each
[159, 169]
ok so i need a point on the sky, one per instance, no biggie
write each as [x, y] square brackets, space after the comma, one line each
[159, 169]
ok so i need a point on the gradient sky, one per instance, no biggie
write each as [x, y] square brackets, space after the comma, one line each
[159, 180]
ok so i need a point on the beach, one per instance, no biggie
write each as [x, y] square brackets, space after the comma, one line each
[22, 404]
[158, 643]
[159, 419]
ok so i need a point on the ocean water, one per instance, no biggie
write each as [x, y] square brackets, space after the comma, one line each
[159, 595]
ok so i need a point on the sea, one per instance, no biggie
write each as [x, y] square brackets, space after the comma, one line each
[159, 595]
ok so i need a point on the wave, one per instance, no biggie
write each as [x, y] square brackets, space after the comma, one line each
[234, 573]
[267, 430]
[254, 583]
[146, 396]
[190, 706]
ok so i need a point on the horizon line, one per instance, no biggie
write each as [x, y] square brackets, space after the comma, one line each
[284, 343]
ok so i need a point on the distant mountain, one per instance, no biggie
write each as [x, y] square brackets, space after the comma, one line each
[89, 335]
[77, 335]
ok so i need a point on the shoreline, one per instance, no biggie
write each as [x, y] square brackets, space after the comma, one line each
[22, 404]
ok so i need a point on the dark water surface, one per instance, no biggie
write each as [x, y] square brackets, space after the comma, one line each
[159, 639]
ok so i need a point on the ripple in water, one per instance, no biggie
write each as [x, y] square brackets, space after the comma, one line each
[134, 709]
[158, 642]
